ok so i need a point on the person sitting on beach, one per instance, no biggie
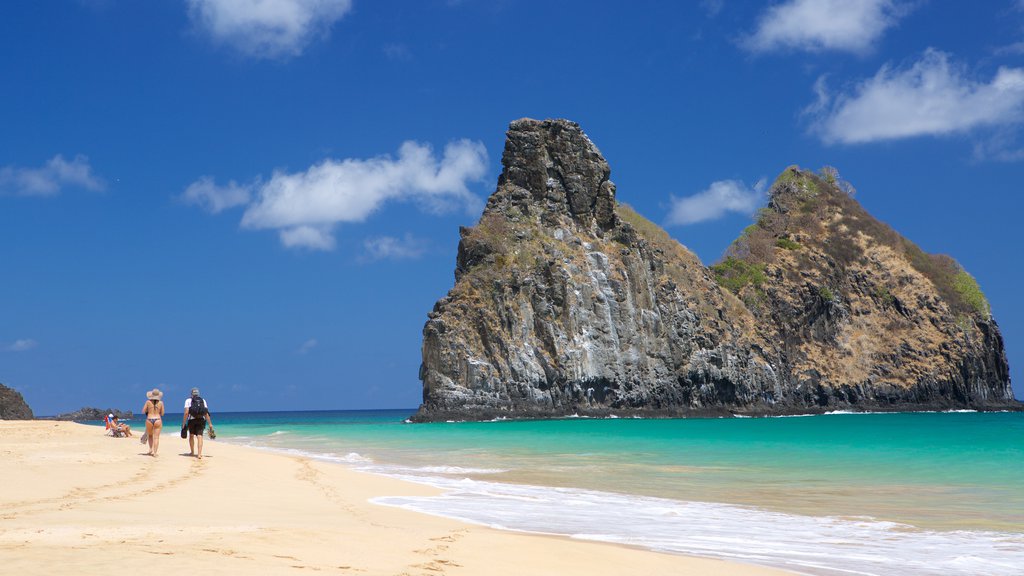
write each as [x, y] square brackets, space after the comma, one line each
[154, 411]
[117, 426]
[197, 414]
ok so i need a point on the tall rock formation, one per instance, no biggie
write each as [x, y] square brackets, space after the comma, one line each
[12, 405]
[567, 302]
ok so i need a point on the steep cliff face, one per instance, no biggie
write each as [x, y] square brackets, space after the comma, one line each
[566, 302]
[12, 405]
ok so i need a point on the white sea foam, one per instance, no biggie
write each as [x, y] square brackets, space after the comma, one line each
[355, 457]
[825, 546]
[350, 458]
[458, 470]
[844, 412]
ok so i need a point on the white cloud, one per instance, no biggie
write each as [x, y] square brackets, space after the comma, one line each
[307, 346]
[818, 25]
[213, 198]
[389, 247]
[312, 237]
[49, 179]
[720, 198]
[305, 206]
[930, 98]
[22, 345]
[267, 28]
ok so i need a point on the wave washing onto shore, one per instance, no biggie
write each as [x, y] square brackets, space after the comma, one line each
[825, 546]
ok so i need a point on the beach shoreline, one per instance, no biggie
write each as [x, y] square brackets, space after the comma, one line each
[82, 501]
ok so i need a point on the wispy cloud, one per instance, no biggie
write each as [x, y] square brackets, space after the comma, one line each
[712, 7]
[1000, 146]
[304, 207]
[932, 97]
[312, 237]
[821, 25]
[206, 194]
[391, 248]
[267, 28]
[22, 345]
[721, 198]
[1015, 49]
[395, 51]
[49, 179]
[307, 346]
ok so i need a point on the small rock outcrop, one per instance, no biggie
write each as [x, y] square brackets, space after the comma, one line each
[12, 405]
[567, 302]
[91, 414]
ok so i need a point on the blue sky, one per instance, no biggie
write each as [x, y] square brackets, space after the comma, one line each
[262, 198]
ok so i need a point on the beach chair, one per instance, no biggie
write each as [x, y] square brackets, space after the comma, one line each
[115, 433]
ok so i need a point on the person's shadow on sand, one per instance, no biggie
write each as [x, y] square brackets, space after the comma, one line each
[190, 455]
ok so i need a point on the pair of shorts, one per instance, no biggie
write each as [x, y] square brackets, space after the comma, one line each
[196, 426]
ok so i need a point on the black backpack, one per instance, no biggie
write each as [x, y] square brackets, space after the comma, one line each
[198, 407]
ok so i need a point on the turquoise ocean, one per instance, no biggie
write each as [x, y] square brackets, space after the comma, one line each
[835, 494]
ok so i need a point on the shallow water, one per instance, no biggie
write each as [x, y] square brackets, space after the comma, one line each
[921, 493]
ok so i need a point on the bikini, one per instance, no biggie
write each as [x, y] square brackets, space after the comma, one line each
[153, 421]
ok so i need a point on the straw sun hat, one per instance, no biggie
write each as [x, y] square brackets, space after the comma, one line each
[154, 394]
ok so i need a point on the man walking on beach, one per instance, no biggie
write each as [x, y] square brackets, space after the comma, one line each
[197, 414]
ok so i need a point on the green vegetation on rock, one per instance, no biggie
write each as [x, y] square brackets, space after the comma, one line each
[826, 294]
[957, 287]
[787, 244]
[733, 274]
[883, 296]
[970, 293]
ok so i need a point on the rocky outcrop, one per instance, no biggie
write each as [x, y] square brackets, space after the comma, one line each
[92, 414]
[12, 405]
[862, 317]
[567, 302]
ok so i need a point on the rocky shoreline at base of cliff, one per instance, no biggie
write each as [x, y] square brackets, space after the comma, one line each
[609, 413]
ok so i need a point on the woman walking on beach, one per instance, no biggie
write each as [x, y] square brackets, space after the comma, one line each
[154, 411]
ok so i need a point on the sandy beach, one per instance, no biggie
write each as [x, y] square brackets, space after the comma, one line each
[76, 501]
